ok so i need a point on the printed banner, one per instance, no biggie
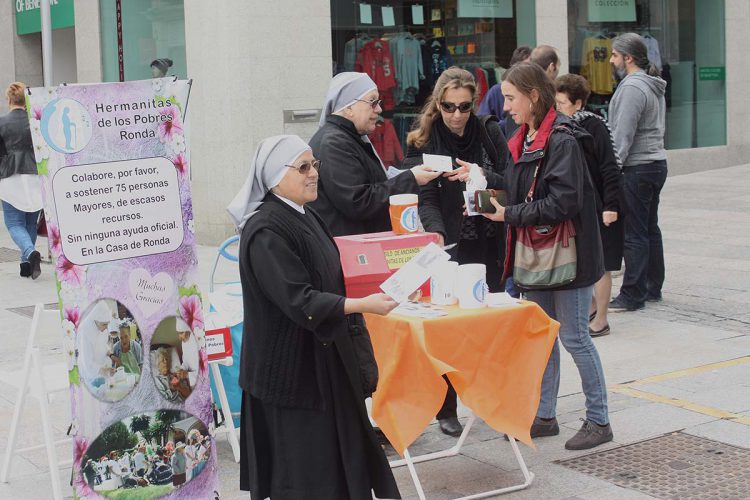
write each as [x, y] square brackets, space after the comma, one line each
[114, 165]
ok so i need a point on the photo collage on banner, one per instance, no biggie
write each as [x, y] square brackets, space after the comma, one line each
[114, 165]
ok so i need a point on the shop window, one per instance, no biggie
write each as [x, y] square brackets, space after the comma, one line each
[686, 42]
[423, 38]
[147, 30]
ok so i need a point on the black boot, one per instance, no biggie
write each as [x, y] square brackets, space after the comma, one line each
[25, 270]
[35, 260]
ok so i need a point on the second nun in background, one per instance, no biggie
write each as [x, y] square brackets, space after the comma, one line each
[354, 184]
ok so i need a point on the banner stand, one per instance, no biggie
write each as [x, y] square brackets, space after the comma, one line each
[39, 381]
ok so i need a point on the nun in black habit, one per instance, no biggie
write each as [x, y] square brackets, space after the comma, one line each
[355, 186]
[304, 427]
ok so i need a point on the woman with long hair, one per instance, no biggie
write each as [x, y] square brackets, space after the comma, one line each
[547, 185]
[448, 126]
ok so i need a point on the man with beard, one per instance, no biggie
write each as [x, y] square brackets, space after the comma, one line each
[637, 116]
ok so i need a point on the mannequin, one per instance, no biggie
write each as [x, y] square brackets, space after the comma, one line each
[159, 67]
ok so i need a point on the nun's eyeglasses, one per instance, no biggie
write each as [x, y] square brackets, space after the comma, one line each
[305, 167]
[373, 104]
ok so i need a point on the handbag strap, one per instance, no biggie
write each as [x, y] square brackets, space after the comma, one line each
[530, 194]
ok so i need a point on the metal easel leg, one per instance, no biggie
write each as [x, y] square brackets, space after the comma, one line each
[21, 397]
[49, 440]
[228, 419]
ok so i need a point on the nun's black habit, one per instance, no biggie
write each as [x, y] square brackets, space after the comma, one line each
[304, 427]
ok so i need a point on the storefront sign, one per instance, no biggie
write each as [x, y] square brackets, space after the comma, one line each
[485, 8]
[712, 73]
[603, 11]
[28, 17]
[113, 163]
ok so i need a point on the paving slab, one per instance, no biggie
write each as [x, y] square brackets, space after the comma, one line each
[724, 431]
[653, 419]
[612, 493]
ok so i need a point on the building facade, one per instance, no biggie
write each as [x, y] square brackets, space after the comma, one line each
[262, 68]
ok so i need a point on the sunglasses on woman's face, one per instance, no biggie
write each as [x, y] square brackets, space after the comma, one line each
[450, 107]
[305, 167]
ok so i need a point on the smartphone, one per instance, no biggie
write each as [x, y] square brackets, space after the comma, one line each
[482, 200]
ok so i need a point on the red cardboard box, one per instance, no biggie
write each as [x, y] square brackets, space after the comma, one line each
[369, 259]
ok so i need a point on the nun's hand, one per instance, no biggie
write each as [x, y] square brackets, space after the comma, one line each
[609, 217]
[380, 303]
[377, 303]
[461, 173]
[424, 174]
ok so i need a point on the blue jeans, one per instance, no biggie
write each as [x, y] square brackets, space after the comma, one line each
[22, 228]
[510, 288]
[644, 251]
[571, 309]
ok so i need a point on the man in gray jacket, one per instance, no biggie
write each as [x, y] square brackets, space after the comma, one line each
[637, 115]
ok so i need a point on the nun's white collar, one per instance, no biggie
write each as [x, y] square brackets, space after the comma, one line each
[298, 208]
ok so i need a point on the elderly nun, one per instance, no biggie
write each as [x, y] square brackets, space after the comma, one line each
[354, 183]
[304, 425]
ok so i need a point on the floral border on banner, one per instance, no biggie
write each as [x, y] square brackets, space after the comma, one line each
[80, 286]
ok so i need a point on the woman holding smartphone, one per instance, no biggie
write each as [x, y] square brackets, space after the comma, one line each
[448, 126]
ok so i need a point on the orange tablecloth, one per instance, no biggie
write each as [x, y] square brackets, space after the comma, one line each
[494, 357]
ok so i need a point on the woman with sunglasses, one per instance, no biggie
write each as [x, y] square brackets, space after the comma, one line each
[448, 126]
[354, 184]
[305, 431]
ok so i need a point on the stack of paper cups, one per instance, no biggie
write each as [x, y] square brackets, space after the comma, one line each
[471, 286]
[442, 283]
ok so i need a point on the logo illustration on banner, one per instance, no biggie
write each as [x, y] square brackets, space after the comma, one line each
[410, 219]
[66, 125]
[480, 290]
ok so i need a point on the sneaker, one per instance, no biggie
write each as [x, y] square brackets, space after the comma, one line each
[619, 304]
[590, 436]
[653, 298]
[542, 428]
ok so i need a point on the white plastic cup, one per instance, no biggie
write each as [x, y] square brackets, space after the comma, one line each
[442, 284]
[471, 286]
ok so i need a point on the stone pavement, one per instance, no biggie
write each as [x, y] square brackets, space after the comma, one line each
[678, 365]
